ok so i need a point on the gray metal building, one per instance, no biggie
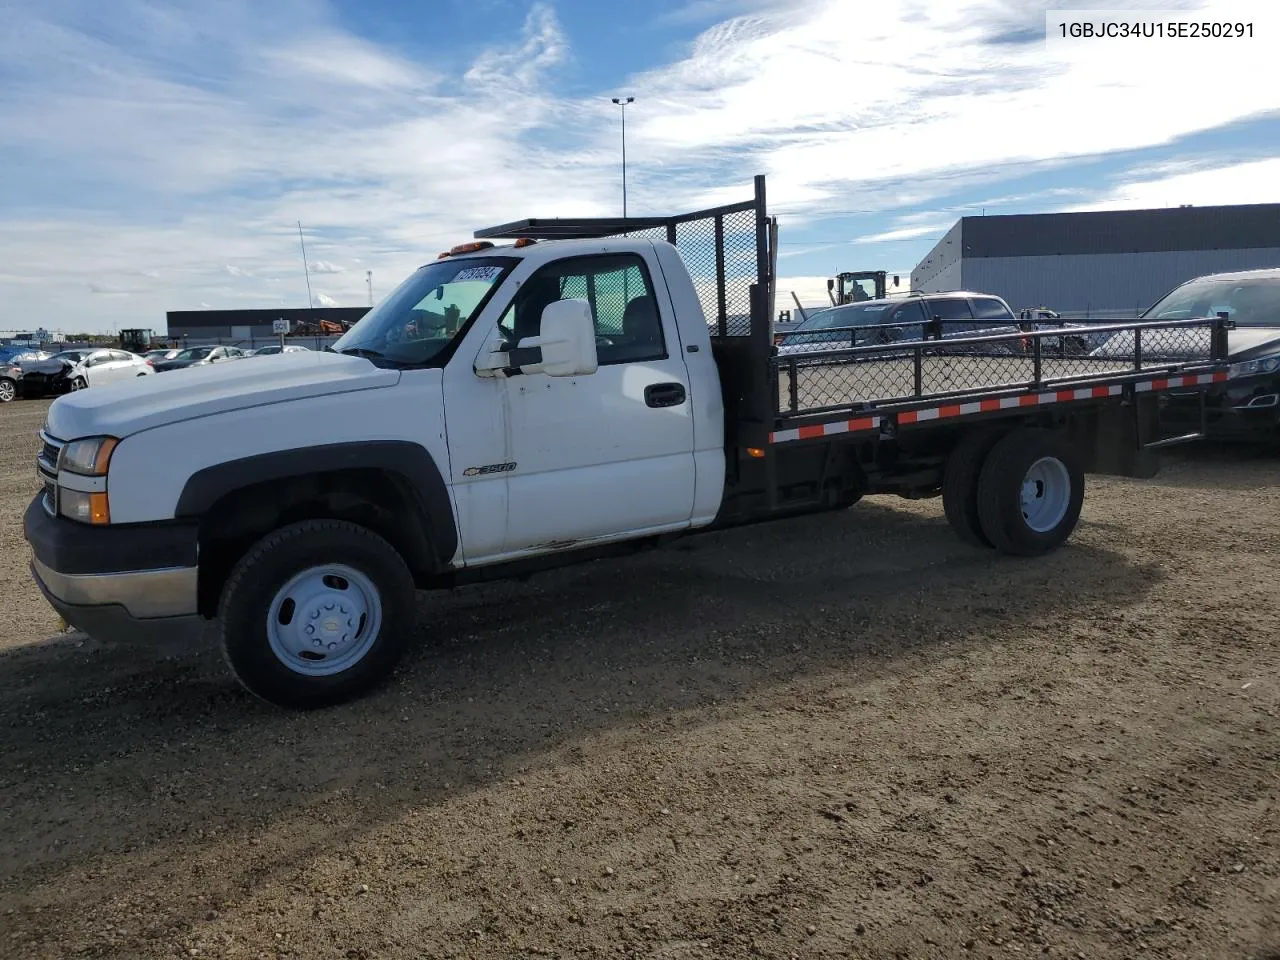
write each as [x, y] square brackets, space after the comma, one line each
[199, 325]
[1112, 263]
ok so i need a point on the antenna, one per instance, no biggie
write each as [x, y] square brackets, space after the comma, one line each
[305, 270]
[368, 278]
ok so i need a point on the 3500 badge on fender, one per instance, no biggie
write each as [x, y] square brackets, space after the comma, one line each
[488, 468]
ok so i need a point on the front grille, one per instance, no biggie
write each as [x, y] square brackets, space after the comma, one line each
[47, 469]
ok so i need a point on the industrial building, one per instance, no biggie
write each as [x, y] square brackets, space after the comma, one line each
[1112, 263]
[196, 325]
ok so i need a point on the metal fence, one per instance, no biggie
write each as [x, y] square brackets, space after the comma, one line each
[940, 367]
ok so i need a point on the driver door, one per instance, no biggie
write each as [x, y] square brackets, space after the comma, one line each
[586, 458]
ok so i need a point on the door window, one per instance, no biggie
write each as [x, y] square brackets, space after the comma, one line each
[618, 288]
[951, 310]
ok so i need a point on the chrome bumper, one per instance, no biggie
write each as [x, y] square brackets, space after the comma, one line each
[153, 607]
[144, 594]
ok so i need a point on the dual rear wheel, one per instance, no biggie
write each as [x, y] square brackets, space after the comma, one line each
[1019, 492]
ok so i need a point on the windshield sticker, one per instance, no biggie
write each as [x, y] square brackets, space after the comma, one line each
[487, 274]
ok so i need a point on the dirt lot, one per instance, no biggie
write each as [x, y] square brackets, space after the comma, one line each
[840, 736]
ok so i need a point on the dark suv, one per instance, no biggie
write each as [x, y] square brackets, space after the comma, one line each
[963, 314]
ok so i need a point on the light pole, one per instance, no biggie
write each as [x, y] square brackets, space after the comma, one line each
[622, 102]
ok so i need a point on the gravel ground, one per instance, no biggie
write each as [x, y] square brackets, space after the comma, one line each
[846, 735]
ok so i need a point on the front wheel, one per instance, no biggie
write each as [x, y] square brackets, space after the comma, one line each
[1030, 492]
[79, 383]
[316, 613]
[8, 390]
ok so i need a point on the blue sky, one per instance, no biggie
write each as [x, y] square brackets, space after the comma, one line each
[157, 155]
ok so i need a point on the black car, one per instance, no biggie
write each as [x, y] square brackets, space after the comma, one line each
[1246, 407]
[198, 357]
[12, 384]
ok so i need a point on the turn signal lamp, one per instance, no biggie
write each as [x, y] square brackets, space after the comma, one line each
[524, 242]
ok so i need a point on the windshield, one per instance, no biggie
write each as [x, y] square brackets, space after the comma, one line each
[1250, 303]
[195, 353]
[860, 315]
[75, 356]
[424, 315]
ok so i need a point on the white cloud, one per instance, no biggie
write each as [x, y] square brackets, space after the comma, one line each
[907, 233]
[324, 266]
[205, 132]
[323, 300]
[1255, 181]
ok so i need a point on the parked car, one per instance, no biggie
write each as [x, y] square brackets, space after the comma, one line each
[199, 357]
[1247, 406]
[77, 369]
[865, 323]
[12, 372]
[275, 348]
[155, 356]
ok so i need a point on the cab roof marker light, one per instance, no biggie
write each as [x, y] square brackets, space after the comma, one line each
[471, 247]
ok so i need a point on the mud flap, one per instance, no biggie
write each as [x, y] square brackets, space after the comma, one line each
[1112, 440]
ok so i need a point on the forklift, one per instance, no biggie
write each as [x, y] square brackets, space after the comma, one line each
[853, 287]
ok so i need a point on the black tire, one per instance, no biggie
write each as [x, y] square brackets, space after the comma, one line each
[8, 389]
[1000, 508]
[79, 383]
[960, 485]
[268, 566]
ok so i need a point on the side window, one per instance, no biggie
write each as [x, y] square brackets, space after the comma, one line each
[628, 325]
[952, 309]
[910, 313]
[989, 308]
[121, 355]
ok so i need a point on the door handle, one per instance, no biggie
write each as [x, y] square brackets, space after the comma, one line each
[664, 394]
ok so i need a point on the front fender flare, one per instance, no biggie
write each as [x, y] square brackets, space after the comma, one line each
[406, 459]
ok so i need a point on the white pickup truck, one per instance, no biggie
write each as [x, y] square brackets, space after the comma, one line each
[592, 387]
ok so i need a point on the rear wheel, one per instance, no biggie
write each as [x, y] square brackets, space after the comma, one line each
[1030, 492]
[316, 613]
[960, 485]
[8, 390]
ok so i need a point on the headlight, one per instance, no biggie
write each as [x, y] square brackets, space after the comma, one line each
[88, 457]
[1251, 368]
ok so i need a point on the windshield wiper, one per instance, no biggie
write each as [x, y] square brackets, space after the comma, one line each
[377, 355]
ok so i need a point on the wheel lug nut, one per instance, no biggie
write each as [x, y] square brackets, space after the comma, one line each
[316, 641]
[328, 606]
[333, 646]
[310, 630]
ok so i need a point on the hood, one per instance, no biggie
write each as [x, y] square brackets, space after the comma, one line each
[141, 403]
[177, 364]
[1243, 343]
[1246, 343]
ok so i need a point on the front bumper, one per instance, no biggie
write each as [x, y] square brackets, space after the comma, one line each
[122, 584]
[1246, 409]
